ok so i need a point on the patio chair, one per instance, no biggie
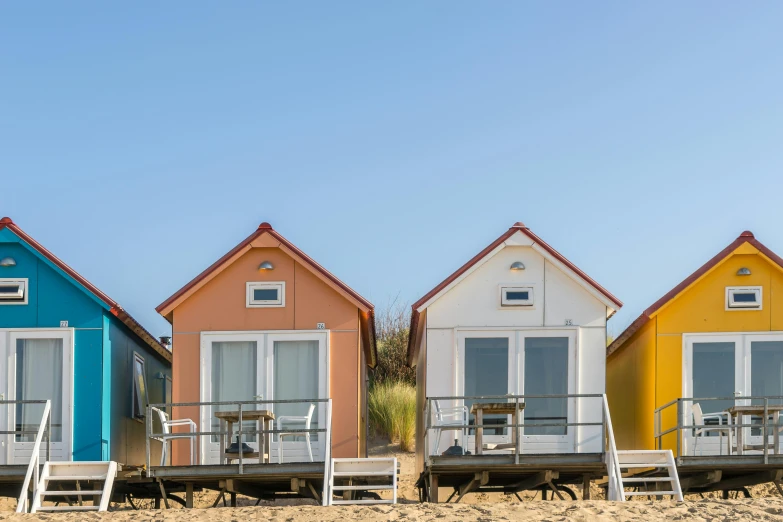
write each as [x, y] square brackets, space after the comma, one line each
[699, 418]
[168, 435]
[450, 419]
[290, 419]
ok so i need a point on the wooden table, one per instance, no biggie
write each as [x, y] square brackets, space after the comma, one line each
[264, 418]
[498, 408]
[737, 413]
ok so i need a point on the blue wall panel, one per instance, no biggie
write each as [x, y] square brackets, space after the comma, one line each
[87, 394]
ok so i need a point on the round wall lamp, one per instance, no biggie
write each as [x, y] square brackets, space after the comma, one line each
[743, 271]
[266, 265]
[8, 261]
[517, 265]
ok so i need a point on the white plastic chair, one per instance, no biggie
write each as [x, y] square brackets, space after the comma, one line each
[290, 419]
[166, 426]
[699, 418]
[450, 419]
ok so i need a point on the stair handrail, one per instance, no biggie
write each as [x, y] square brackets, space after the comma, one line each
[35, 458]
[615, 489]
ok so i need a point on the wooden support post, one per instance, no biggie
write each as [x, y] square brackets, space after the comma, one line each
[156, 504]
[539, 479]
[555, 490]
[221, 495]
[315, 494]
[434, 489]
[163, 494]
[586, 487]
[233, 499]
[189, 495]
[478, 480]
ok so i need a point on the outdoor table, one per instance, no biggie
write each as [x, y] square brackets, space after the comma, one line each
[499, 408]
[736, 412]
[265, 419]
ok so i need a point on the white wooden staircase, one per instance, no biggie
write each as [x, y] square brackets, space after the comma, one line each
[98, 477]
[364, 470]
[654, 472]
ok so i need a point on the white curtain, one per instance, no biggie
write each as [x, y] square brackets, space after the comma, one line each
[234, 377]
[296, 377]
[39, 376]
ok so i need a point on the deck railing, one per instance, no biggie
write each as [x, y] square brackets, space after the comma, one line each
[590, 407]
[241, 431]
[33, 468]
[676, 429]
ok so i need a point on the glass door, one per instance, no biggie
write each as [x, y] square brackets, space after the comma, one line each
[39, 368]
[298, 372]
[765, 376]
[548, 369]
[487, 361]
[258, 366]
[231, 373]
[713, 375]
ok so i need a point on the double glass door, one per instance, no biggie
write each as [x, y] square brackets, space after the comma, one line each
[35, 365]
[265, 366]
[522, 362]
[733, 368]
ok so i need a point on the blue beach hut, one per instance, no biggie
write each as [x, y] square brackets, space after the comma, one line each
[64, 340]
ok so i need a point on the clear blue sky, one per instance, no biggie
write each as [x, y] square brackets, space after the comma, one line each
[141, 141]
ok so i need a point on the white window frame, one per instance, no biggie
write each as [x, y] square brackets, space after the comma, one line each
[255, 285]
[505, 302]
[731, 305]
[142, 407]
[23, 284]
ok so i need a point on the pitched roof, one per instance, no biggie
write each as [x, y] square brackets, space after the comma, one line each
[745, 237]
[114, 307]
[167, 307]
[516, 227]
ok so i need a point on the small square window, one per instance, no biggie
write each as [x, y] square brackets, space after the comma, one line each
[13, 291]
[139, 395]
[265, 295]
[743, 298]
[516, 296]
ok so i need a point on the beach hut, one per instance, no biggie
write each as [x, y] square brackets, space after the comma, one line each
[700, 371]
[267, 324]
[63, 340]
[514, 337]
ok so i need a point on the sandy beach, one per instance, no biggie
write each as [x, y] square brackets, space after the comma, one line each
[766, 505]
[740, 510]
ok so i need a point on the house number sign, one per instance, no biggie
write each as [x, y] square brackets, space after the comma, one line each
[320, 326]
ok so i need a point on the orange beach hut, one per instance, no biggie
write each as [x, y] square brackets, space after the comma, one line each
[267, 322]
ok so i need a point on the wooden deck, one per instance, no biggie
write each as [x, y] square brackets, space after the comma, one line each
[261, 481]
[728, 472]
[500, 474]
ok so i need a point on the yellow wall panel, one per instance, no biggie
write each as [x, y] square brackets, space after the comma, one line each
[702, 307]
[668, 383]
[630, 387]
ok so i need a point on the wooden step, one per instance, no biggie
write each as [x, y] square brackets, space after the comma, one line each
[362, 474]
[74, 478]
[646, 479]
[361, 488]
[364, 501]
[84, 492]
[648, 493]
[68, 508]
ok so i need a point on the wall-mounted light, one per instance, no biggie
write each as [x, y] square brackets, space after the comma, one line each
[517, 265]
[266, 265]
[743, 271]
[8, 261]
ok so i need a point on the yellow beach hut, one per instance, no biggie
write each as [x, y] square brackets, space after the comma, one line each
[700, 372]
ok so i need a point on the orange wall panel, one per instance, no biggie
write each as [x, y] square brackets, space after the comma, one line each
[220, 305]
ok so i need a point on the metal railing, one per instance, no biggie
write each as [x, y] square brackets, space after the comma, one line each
[33, 468]
[613, 471]
[573, 405]
[683, 427]
[242, 431]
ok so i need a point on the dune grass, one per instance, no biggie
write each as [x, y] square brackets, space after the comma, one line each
[392, 409]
